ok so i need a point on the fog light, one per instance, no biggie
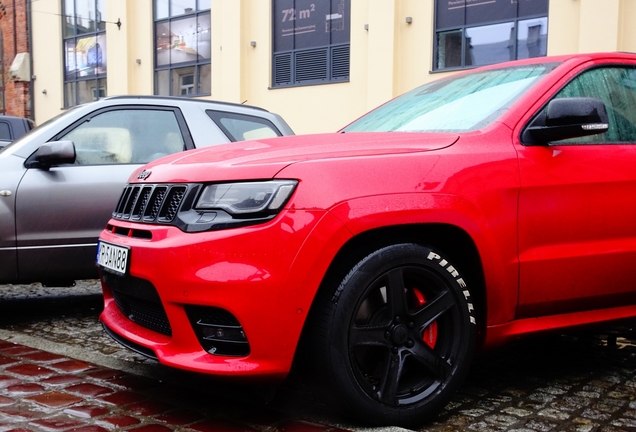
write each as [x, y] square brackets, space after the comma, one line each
[218, 331]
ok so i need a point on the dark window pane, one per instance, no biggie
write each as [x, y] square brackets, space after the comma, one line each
[97, 54]
[449, 49]
[70, 60]
[180, 7]
[339, 24]
[69, 18]
[491, 44]
[101, 15]
[85, 91]
[532, 7]
[163, 44]
[204, 49]
[88, 54]
[101, 89]
[312, 23]
[183, 81]
[449, 14]
[205, 79]
[85, 17]
[162, 83]
[283, 27]
[532, 38]
[483, 11]
[161, 9]
[184, 41]
[70, 99]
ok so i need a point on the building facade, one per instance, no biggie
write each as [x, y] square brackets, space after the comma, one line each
[320, 64]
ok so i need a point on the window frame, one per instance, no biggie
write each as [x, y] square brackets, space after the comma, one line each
[72, 85]
[462, 29]
[333, 59]
[201, 67]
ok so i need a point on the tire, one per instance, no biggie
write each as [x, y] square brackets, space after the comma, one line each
[396, 337]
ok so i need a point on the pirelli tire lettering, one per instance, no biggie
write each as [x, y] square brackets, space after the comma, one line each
[432, 256]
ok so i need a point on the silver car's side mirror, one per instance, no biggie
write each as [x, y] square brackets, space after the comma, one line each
[52, 154]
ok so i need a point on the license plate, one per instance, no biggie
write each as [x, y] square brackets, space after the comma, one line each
[113, 258]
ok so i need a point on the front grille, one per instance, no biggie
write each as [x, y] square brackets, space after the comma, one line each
[138, 300]
[218, 331]
[157, 203]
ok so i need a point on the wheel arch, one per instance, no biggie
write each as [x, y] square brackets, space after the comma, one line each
[450, 240]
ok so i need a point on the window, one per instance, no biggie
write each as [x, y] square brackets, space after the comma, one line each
[481, 32]
[240, 127]
[84, 32]
[182, 48]
[616, 88]
[311, 42]
[128, 135]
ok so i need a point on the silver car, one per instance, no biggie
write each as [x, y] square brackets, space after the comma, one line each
[60, 183]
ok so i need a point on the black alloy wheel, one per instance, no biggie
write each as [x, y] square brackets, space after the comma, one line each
[400, 335]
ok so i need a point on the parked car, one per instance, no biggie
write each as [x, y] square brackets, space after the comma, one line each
[13, 127]
[60, 182]
[485, 205]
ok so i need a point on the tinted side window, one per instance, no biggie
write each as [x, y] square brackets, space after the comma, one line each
[616, 87]
[241, 127]
[126, 136]
[5, 131]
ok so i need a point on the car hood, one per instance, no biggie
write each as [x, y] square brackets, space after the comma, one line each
[264, 158]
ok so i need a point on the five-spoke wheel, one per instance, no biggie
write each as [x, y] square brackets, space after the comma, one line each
[400, 334]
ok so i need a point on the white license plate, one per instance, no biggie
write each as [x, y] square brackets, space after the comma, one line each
[113, 258]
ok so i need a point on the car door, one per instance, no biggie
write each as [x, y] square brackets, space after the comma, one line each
[577, 212]
[61, 211]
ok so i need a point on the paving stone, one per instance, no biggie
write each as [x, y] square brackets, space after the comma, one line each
[148, 408]
[31, 370]
[22, 389]
[61, 380]
[72, 366]
[57, 423]
[118, 421]
[122, 398]
[86, 411]
[88, 389]
[55, 399]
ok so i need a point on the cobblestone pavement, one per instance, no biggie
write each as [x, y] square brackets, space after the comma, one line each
[60, 372]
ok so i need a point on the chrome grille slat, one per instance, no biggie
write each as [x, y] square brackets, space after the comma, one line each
[150, 203]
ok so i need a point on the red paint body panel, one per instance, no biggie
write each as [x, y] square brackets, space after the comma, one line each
[553, 227]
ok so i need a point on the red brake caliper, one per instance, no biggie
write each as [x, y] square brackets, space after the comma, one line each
[429, 335]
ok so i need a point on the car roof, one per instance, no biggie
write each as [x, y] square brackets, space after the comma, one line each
[179, 100]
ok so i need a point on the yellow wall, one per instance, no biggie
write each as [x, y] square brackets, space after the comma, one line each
[388, 55]
[48, 98]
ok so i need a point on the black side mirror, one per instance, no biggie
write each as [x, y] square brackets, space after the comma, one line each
[568, 118]
[52, 154]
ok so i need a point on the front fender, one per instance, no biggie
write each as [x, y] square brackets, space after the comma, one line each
[493, 237]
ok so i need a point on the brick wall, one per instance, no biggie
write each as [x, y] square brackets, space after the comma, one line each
[13, 24]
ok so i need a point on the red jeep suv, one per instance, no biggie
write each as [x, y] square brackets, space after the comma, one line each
[496, 202]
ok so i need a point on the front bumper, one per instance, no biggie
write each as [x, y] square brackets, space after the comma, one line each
[265, 276]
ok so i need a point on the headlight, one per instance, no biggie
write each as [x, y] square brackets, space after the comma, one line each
[246, 198]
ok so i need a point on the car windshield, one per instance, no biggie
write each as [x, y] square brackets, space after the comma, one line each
[455, 104]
